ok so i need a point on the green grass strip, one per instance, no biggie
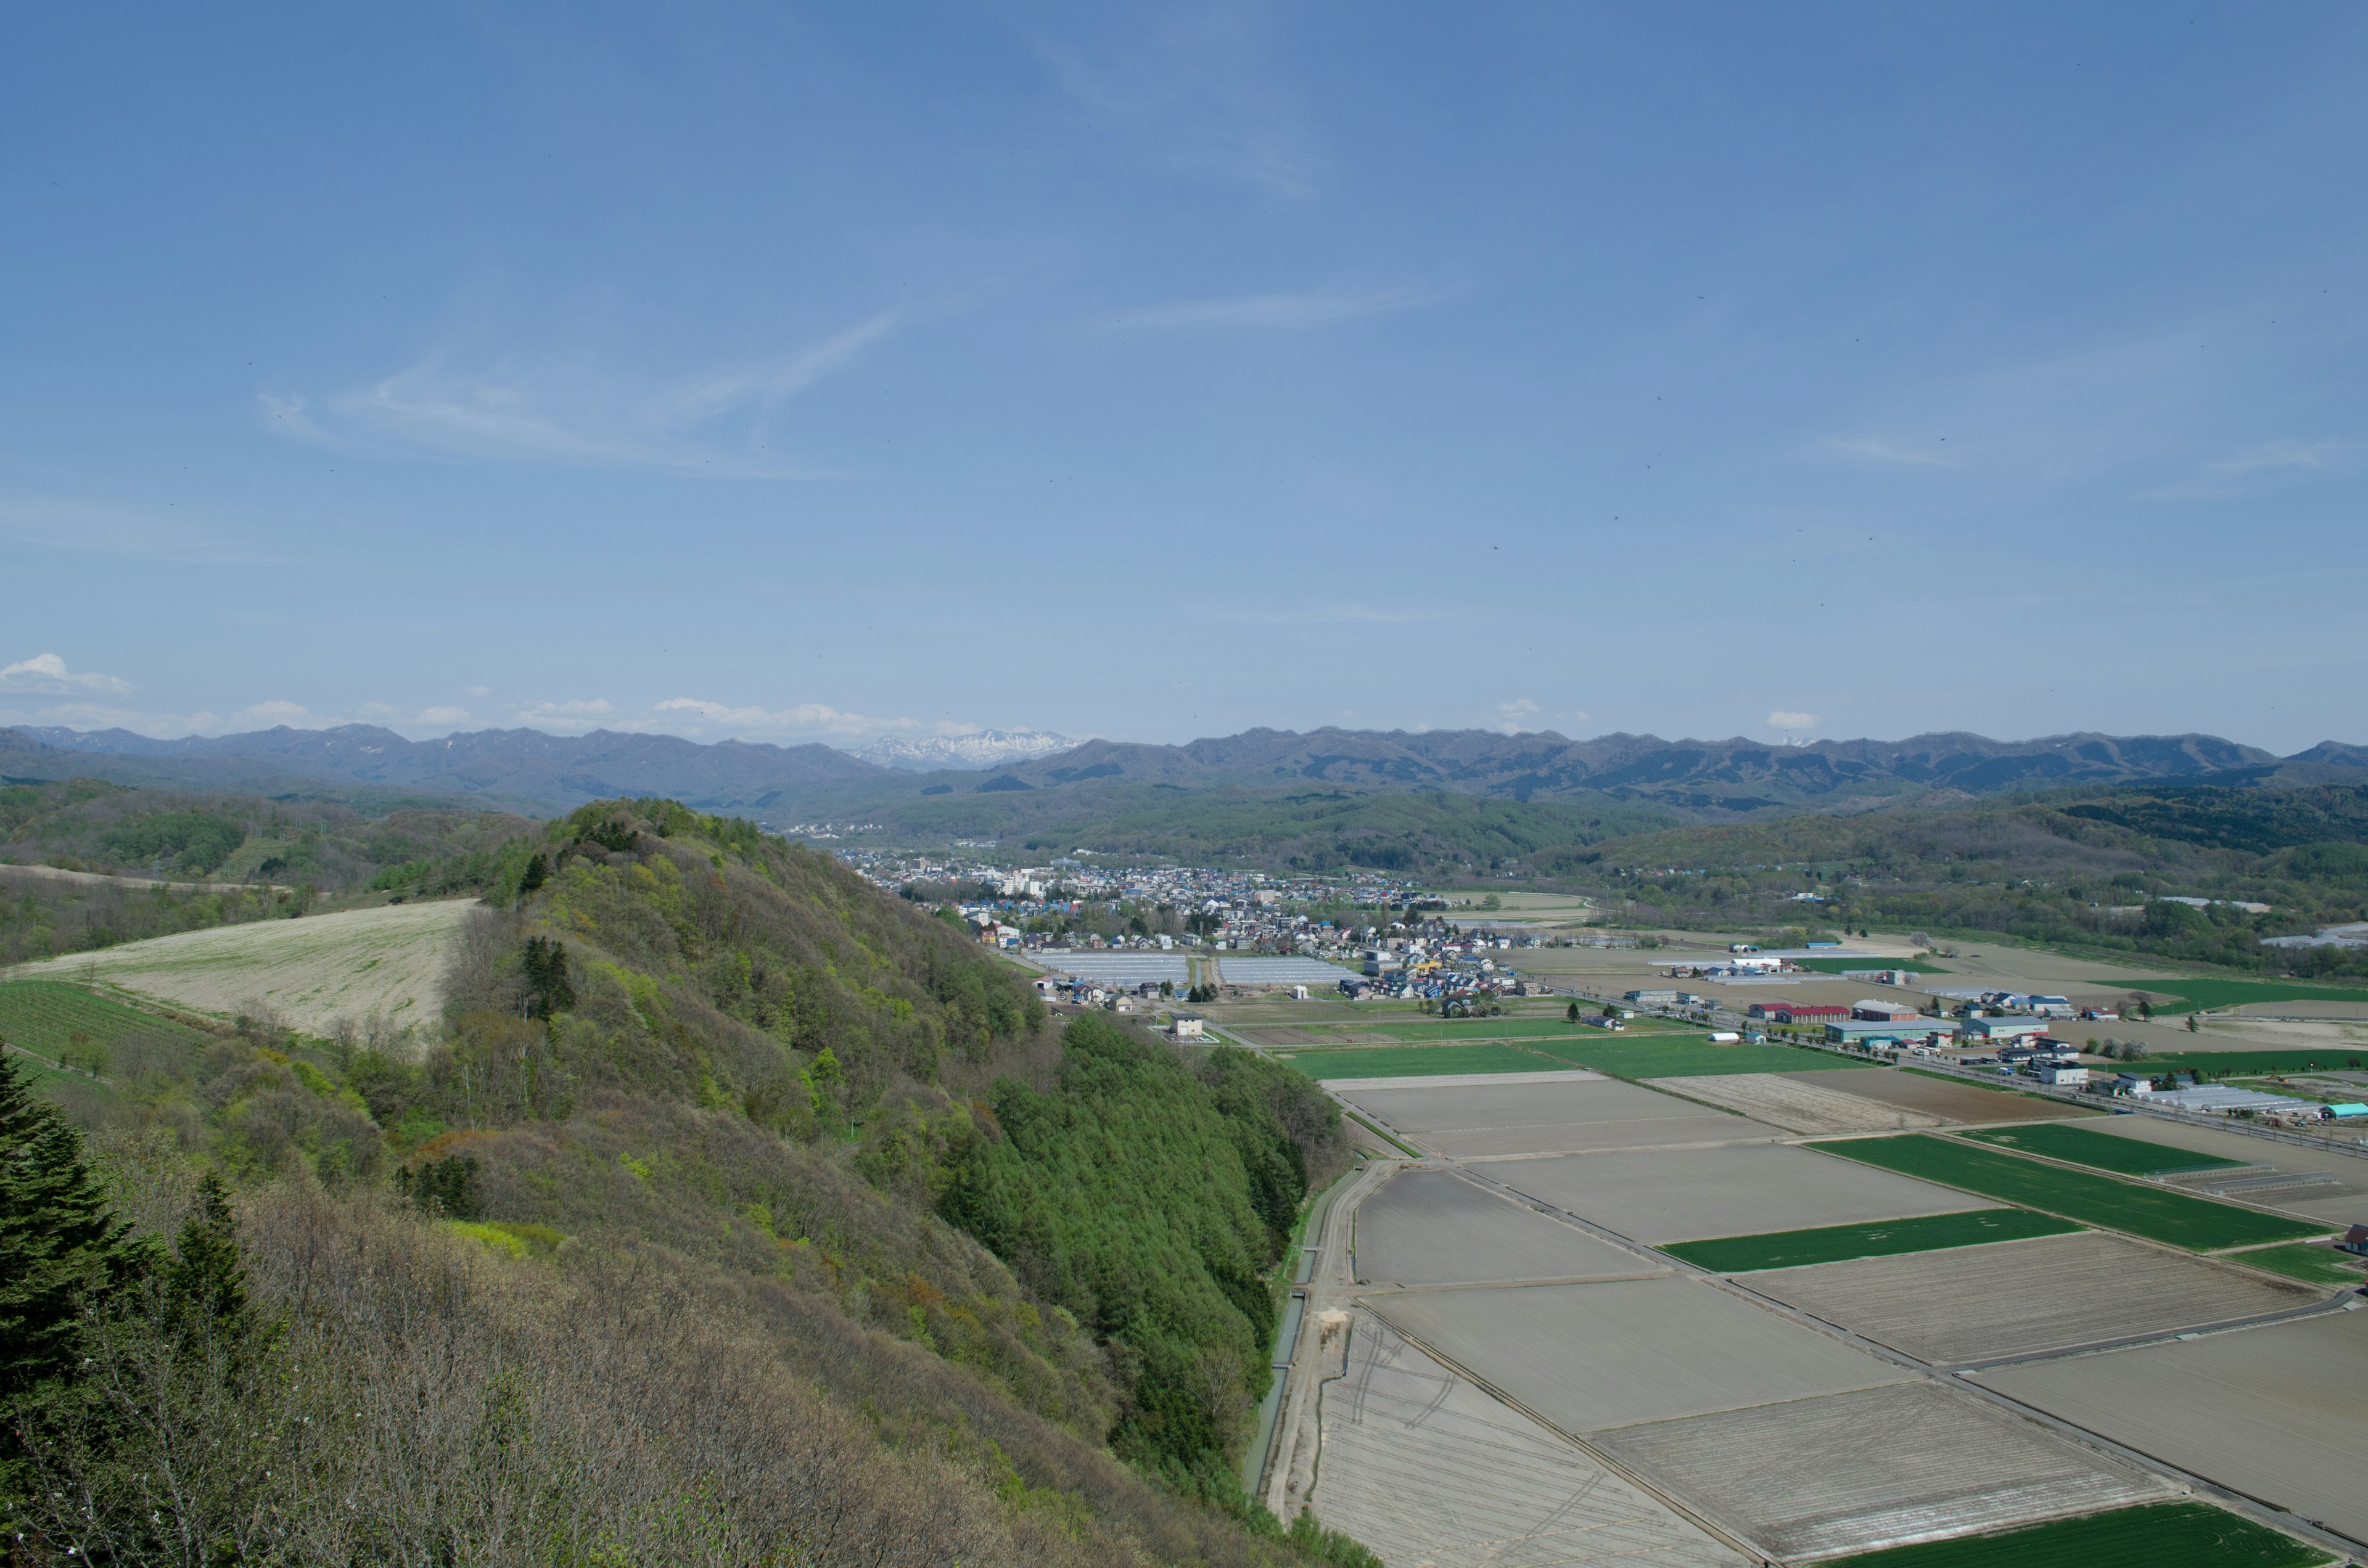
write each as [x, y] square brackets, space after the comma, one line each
[2204, 992]
[2238, 1063]
[2104, 1151]
[2157, 1535]
[1833, 1244]
[1840, 966]
[2196, 1223]
[1689, 1056]
[2312, 1265]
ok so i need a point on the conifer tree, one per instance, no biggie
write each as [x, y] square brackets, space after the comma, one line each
[58, 1242]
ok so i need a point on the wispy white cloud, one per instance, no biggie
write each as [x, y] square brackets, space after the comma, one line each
[1513, 716]
[805, 718]
[1286, 312]
[2233, 475]
[53, 522]
[1883, 449]
[1783, 720]
[570, 410]
[47, 674]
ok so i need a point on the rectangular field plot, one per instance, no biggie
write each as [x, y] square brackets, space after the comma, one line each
[1435, 1228]
[1884, 1238]
[1589, 1356]
[1422, 1467]
[1533, 1116]
[2275, 1413]
[1279, 972]
[1657, 1196]
[1688, 1056]
[1863, 1470]
[2102, 1151]
[2154, 1535]
[2195, 1223]
[1797, 1104]
[2311, 1265]
[2027, 1298]
[1418, 1061]
[52, 1019]
[1118, 969]
[2329, 1186]
[1951, 1099]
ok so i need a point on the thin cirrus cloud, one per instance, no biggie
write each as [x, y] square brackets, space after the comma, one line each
[1276, 312]
[805, 718]
[56, 522]
[2234, 475]
[1782, 719]
[567, 411]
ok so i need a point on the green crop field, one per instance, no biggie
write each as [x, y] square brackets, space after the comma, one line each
[1836, 966]
[1688, 1056]
[2196, 1223]
[2158, 1535]
[2241, 1064]
[2130, 1156]
[2315, 1266]
[1832, 1244]
[66, 1023]
[1418, 1061]
[1415, 1031]
[2199, 993]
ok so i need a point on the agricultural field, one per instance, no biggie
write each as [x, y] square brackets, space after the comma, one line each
[2027, 1298]
[1434, 1228]
[1796, 1104]
[2153, 1535]
[67, 1024]
[2336, 1190]
[387, 962]
[2311, 1265]
[1416, 1061]
[2271, 1411]
[2196, 1223]
[1836, 1243]
[1952, 1099]
[1557, 1116]
[1869, 1468]
[1688, 1056]
[1678, 1195]
[2193, 991]
[1837, 966]
[1415, 1031]
[2247, 1064]
[1684, 1349]
[2101, 1151]
[1420, 1466]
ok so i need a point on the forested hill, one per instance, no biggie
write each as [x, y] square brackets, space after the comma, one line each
[875, 1261]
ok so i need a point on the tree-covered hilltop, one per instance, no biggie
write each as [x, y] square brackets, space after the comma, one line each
[719, 1147]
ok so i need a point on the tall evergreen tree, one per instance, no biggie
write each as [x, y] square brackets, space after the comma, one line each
[58, 1242]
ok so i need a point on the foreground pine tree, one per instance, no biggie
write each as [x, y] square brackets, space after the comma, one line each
[59, 1245]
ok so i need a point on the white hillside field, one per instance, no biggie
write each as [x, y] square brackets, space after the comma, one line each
[313, 971]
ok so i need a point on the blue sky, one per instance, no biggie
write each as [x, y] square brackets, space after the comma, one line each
[825, 372]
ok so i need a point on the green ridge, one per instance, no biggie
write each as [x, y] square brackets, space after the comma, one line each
[2195, 1223]
[1833, 1244]
[2104, 1151]
[2159, 1534]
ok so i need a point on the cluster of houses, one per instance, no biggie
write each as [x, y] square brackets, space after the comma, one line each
[1438, 965]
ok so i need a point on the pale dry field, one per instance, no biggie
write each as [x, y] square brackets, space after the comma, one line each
[2342, 1201]
[1860, 1471]
[1513, 1115]
[1945, 1098]
[1591, 1357]
[1429, 1471]
[1797, 1105]
[1683, 1195]
[2274, 1411]
[386, 963]
[1435, 1228]
[2026, 1298]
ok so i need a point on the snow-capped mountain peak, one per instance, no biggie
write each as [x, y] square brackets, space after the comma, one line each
[986, 748]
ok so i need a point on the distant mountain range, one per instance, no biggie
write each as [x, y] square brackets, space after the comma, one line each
[1702, 779]
[988, 748]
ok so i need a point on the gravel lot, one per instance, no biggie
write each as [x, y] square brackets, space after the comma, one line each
[2026, 1297]
[1942, 1098]
[1424, 1468]
[1739, 1189]
[1591, 1357]
[315, 971]
[2274, 1411]
[1882, 1466]
[1523, 1117]
[1435, 1228]
[1799, 1104]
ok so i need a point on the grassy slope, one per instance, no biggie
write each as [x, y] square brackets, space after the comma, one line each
[2161, 1535]
[1832, 1244]
[2195, 1223]
[50, 1017]
[2101, 1151]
